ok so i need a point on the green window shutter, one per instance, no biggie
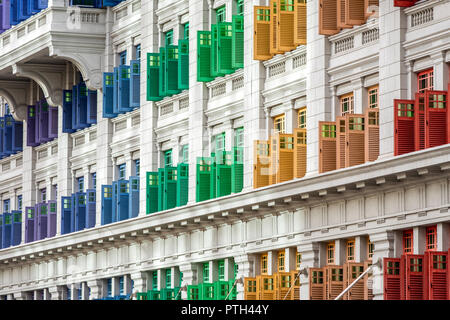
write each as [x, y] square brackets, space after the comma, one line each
[182, 184]
[170, 187]
[172, 70]
[215, 51]
[162, 72]
[220, 142]
[193, 292]
[153, 77]
[223, 173]
[204, 56]
[155, 280]
[221, 267]
[168, 278]
[168, 158]
[183, 64]
[237, 170]
[205, 271]
[168, 38]
[220, 14]
[213, 179]
[186, 31]
[225, 40]
[152, 192]
[161, 188]
[238, 42]
[203, 183]
[240, 7]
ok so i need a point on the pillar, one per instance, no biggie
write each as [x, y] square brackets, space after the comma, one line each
[383, 247]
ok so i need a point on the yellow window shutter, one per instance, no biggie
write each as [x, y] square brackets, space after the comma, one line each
[286, 18]
[274, 18]
[300, 22]
[261, 39]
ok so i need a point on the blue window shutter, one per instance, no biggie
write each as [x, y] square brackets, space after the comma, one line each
[51, 219]
[66, 215]
[82, 96]
[5, 237]
[135, 83]
[29, 224]
[90, 208]
[16, 230]
[124, 89]
[17, 136]
[52, 122]
[80, 211]
[75, 108]
[115, 200]
[108, 95]
[67, 111]
[8, 135]
[92, 107]
[14, 14]
[123, 200]
[116, 91]
[134, 197]
[106, 204]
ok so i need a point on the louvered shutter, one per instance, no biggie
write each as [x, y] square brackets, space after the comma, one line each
[334, 284]
[183, 64]
[265, 287]
[82, 114]
[134, 197]
[107, 216]
[124, 89]
[261, 163]
[204, 44]
[404, 3]
[237, 170]
[152, 192]
[316, 284]
[223, 173]
[42, 221]
[108, 95]
[116, 97]
[153, 67]
[172, 70]
[80, 211]
[328, 17]
[115, 200]
[274, 25]
[204, 172]
[370, 7]
[282, 285]
[31, 127]
[327, 146]
[237, 57]
[286, 25]
[14, 14]
[75, 124]
[17, 136]
[135, 84]
[261, 39]
[372, 135]
[5, 235]
[29, 224]
[341, 132]
[352, 270]
[225, 46]
[295, 284]
[404, 126]
[414, 277]
[368, 281]
[341, 9]
[123, 200]
[5, 8]
[285, 168]
[300, 22]
[91, 196]
[43, 121]
[213, 179]
[67, 111]
[53, 122]
[8, 135]
[250, 289]
[274, 156]
[2, 129]
[162, 72]
[436, 275]
[92, 107]
[214, 51]
[66, 215]
[161, 186]
[170, 187]
[354, 143]
[391, 278]
[435, 118]
[354, 12]
[16, 230]
[419, 122]
[182, 184]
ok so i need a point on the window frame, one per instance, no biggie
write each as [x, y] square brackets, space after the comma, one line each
[168, 35]
[123, 58]
[281, 260]
[221, 14]
[281, 119]
[351, 101]
[122, 168]
[264, 263]
[371, 104]
[301, 114]
[330, 248]
[431, 232]
[350, 251]
[428, 75]
[407, 241]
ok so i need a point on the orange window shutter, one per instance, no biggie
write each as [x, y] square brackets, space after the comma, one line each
[316, 284]
[340, 11]
[286, 18]
[352, 270]
[372, 135]
[266, 287]
[285, 167]
[250, 289]
[370, 8]
[334, 284]
[327, 146]
[341, 129]
[295, 284]
[274, 159]
[354, 12]
[261, 164]
[300, 22]
[261, 39]
[354, 154]
[274, 19]
[282, 284]
[328, 17]
[299, 153]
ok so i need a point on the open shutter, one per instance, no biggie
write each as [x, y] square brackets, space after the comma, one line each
[391, 278]
[91, 196]
[8, 135]
[183, 64]
[225, 42]
[66, 215]
[204, 172]
[135, 84]
[300, 22]
[2, 130]
[352, 270]
[43, 121]
[31, 127]
[124, 89]
[274, 25]
[67, 110]
[354, 12]
[38, 122]
[328, 17]
[435, 118]
[108, 95]
[5, 235]
[161, 185]
[42, 221]
[341, 128]
[75, 109]
[419, 121]
[80, 211]
[414, 276]
[404, 3]
[16, 230]
[282, 285]
[14, 14]
[261, 165]
[172, 70]
[250, 289]
[215, 51]
[170, 187]
[82, 97]
[354, 144]
[436, 275]
[153, 65]
[368, 281]
[213, 178]
[182, 184]
[404, 127]
[51, 220]
[274, 156]
[123, 200]
[162, 72]
[334, 281]
[152, 192]
[237, 57]
[52, 122]
[261, 39]
[223, 173]
[17, 143]
[204, 56]
[286, 25]
[29, 224]
[237, 170]
[265, 287]
[372, 135]
[115, 200]
[316, 284]
[341, 9]
[106, 204]
[327, 146]
[5, 8]
[134, 197]
[370, 7]
[285, 168]
[116, 90]
[92, 107]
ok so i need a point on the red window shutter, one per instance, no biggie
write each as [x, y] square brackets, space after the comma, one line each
[403, 126]
[341, 128]
[372, 135]
[448, 116]
[419, 122]
[354, 140]
[414, 276]
[327, 146]
[328, 17]
[404, 3]
[391, 278]
[435, 118]
[436, 275]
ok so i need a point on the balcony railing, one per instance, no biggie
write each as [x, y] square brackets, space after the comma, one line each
[355, 38]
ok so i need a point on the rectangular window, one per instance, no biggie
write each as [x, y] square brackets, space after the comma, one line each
[425, 80]
[330, 253]
[168, 278]
[122, 171]
[69, 293]
[240, 7]
[138, 51]
[43, 194]
[7, 111]
[220, 14]
[220, 142]
[221, 267]
[79, 294]
[264, 262]
[281, 261]
[236, 270]
[279, 124]
[155, 280]
[302, 118]
[19, 202]
[206, 272]
[137, 166]
[94, 180]
[372, 93]
[431, 238]
[186, 30]
[123, 58]
[168, 37]
[351, 250]
[298, 260]
[6, 206]
[370, 249]
[185, 153]
[55, 191]
[80, 183]
[346, 102]
[109, 287]
[407, 241]
[121, 286]
[168, 158]
[239, 137]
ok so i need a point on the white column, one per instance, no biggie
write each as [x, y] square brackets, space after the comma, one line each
[97, 288]
[289, 259]
[141, 280]
[419, 240]
[340, 252]
[358, 95]
[383, 247]
[291, 117]
[360, 249]
[440, 72]
[229, 268]
[189, 276]
[310, 259]
[246, 268]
